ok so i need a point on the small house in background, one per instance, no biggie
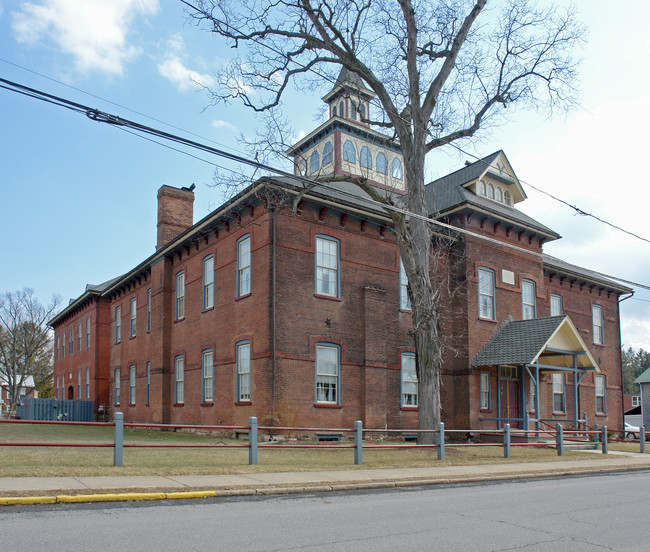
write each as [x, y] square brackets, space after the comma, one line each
[644, 383]
[27, 389]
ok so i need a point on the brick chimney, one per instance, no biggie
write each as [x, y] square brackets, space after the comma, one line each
[175, 212]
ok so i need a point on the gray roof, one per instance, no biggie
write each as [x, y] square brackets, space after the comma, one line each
[518, 342]
[449, 192]
[568, 268]
[643, 378]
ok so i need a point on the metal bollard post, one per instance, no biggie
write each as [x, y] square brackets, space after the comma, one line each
[118, 439]
[506, 442]
[358, 442]
[441, 441]
[596, 436]
[559, 439]
[642, 439]
[604, 439]
[252, 441]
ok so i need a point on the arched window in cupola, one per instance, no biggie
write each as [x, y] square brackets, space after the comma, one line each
[349, 152]
[327, 153]
[382, 165]
[506, 197]
[365, 159]
[341, 109]
[353, 110]
[334, 111]
[490, 193]
[362, 111]
[396, 169]
[499, 194]
[314, 162]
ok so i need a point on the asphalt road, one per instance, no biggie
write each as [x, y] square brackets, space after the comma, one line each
[606, 512]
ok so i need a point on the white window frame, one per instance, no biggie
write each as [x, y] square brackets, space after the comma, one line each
[556, 307]
[180, 295]
[207, 371]
[486, 293]
[528, 299]
[133, 317]
[79, 334]
[71, 340]
[179, 380]
[132, 384]
[404, 297]
[636, 400]
[118, 324]
[148, 310]
[328, 263]
[208, 282]
[79, 384]
[244, 265]
[409, 381]
[148, 376]
[396, 169]
[87, 383]
[559, 391]
[328, 373]
[88, 332]
[243, 354]
[600, 392]
[485, 391]
[116, 386]
[598, 323]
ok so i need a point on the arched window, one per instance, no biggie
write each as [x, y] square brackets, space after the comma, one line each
[334, 111]
[481, 188]
[499, 194]
[506, 197]
[362, 111]
[490, 190]
[396, 169]
[365, 159]
[353, 110]
[314, 162]
[382, 165]
[341, 109]
[327, 153]
[349, 152]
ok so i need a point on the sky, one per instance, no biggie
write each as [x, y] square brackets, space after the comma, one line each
[78, 198]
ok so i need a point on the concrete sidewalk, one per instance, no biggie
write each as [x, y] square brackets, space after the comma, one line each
[28, 490]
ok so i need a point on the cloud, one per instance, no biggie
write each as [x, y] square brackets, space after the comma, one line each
[223, 124]
[93, 32]
[182, 77]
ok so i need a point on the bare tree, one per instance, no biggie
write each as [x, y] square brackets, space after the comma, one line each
[25, 341]
[441, 71]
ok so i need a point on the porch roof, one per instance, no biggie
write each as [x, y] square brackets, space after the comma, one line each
[552, 342]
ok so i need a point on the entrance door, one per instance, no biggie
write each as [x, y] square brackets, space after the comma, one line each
[509, 395]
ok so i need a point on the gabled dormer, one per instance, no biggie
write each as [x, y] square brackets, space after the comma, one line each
[496, 180]
[346, 146]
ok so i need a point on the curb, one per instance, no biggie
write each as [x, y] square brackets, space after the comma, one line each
[306, 488]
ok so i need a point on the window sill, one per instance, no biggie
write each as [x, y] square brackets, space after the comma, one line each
[132, 337]
[327, 405]
[208, 309]
[243, 403]
[131, 405]
[486, 411]
[601, 415]
[178, 405]
[599, 344]
[409, 408]
[483, 319]
[330, 297]
[179, 320]
[559, 413]
[410, 311]
[240, 297]
[207, 404]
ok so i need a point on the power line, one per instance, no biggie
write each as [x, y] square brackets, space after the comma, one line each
[129, 126]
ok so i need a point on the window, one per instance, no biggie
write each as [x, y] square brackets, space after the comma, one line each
[63, 346]
[404, 297]
[636, 400]
[327, 266]
[499, 194]
[527, 299]
[132, 385]
[149, 310]
[362, 111]
[506, 197]
[558, 393]
[601, 394]
[208, 376]
[118, 324]
[244, 266]
[179, 380]
[79, 334]
[88, 332]
[327, 373]
[349, 152]
[133, 317]
[365, 159]
[486, 391]
[148, 380]
[490, 191]
[532, 394]
[396, 169]
[180, 295]
[486, 293]
[71, 341]
[482, 189]
[382, 164]
[597, 321]
[353, 111]
[409, 380]
[243, 372]
[341, 109]
[334, 111]
[87, 383]
[314, 162]
[208, 282]
[556, 305]
[117, 387]
[78, 384]
[327, 153]
[57, 347]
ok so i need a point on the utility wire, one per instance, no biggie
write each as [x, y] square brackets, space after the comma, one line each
[124, 124]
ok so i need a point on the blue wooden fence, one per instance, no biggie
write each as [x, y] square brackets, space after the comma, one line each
[52, 409]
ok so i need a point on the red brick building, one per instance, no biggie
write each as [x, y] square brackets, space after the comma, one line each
[288, 303]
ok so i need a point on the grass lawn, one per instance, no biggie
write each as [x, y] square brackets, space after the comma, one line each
[79, 461]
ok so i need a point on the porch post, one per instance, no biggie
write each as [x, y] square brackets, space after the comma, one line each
[575, 391]
[524, 400]
[498, 397]
[538, 414]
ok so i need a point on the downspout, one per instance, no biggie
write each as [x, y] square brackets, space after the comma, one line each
[273, 305]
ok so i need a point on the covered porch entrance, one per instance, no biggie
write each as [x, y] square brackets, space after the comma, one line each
[523, 350]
